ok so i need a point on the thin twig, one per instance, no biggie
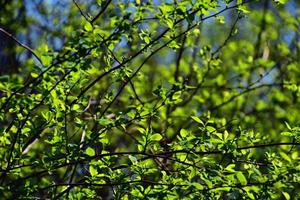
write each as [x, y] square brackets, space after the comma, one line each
[81, 12]
[21, 44]
[101, 11]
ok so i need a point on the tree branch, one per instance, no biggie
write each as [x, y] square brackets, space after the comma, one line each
[21, 44]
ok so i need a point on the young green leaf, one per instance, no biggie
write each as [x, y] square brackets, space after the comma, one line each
[89, 151]
[156, 137]
[197, 119]
[242, 179]
[93, 171]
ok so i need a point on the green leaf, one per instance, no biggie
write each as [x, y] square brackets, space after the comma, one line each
[133, 159]
[104, 121]
[286, 195]
[197, 119]
[230, 168]
[93, 171]
[211, 129]
[208, 183]
[88, 27]
[242, 179]
[226, 189]
[198, 186]
[76, 107]
[243, 9]
[156, 137]
[140, 148]
[287, 125]
[47, 115]
[286, 133]
[285, 157]
[46, 60]
[34, 75]
[225, 135]
[89, 151]
[250, 195]
[184, 133]
[220, 19]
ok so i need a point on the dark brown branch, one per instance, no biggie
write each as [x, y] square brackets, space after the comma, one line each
[81, 12]
[101, 11]
[21, 44]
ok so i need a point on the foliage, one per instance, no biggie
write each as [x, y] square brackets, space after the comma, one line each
[155, 100]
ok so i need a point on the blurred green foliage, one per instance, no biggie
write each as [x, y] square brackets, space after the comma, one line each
[151, 100]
